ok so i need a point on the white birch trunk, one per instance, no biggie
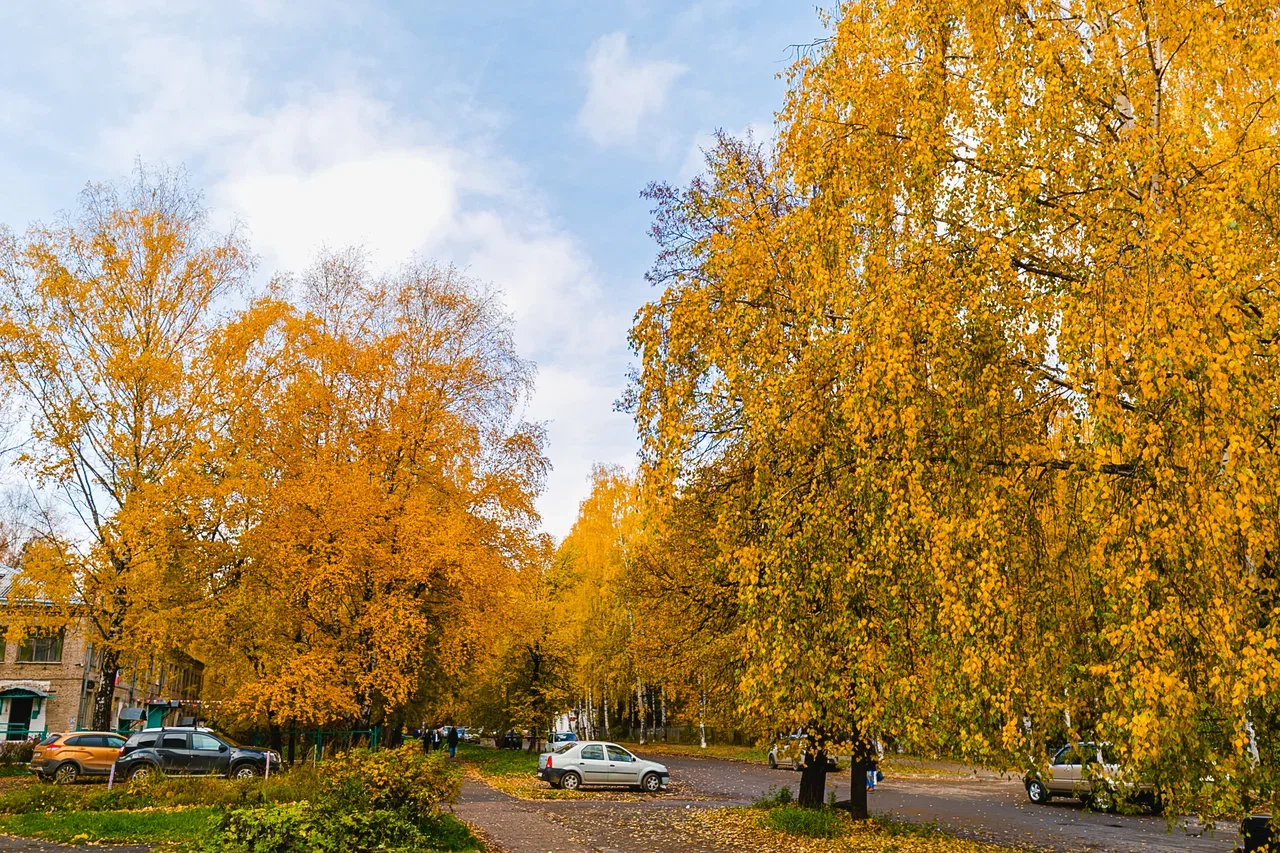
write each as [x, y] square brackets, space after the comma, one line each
[640, 708]
[702, 724]
[605, 700]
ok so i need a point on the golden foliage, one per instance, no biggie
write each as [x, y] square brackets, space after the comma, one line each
[984, 352]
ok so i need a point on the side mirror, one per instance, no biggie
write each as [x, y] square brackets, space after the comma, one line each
[222, 747]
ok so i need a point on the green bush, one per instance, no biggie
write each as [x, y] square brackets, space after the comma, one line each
[405, 780]
[362, 801]
[813, 823]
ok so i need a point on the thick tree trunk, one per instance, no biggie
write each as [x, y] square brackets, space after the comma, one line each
[813, 781]
[858, 786]
[105, 691]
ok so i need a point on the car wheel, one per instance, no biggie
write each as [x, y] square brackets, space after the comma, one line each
[66, 774]
[1038, 793]
[651, 783]
[245, 771]
[571, 781]
[143, 773]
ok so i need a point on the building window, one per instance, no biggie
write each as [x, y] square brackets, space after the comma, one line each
[42, 647]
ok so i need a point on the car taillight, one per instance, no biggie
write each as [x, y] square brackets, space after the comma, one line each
[548, 762]
[51, 747]
[121, 751]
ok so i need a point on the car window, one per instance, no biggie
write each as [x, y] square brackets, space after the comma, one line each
[114, 742]
[1064, 756]
[593, 752]
[74, 741]
[617, 753]
[563, 748]
[50, 739]
[142, 741]
[173, 742]
[93, 740]
[200, 741]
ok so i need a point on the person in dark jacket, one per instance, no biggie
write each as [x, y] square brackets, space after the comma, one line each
[436, 739]
[453, 741]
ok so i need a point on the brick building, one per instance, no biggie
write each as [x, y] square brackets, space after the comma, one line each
[47, 684]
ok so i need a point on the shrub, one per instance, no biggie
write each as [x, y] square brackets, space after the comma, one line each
[362, 801]
[814, 823]
[266, 829]
[405, 780]
[17, 751]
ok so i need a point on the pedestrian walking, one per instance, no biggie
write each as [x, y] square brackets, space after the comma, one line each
[453, 741]
[873, 774]
[436, 738]
[426, 739]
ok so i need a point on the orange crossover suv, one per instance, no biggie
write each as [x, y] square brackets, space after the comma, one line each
[65, 758]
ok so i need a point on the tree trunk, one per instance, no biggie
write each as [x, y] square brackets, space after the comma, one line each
[813, 781]
[293, 744]
[640, 708]
[605, 701]
[858, 786]
[105, 692]
[702, 723]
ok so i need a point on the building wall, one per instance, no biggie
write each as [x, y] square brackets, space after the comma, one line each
[71, 682]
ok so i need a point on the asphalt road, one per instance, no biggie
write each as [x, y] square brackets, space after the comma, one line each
[990, 809]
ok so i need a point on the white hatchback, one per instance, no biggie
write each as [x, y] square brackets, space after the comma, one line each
[572, 765]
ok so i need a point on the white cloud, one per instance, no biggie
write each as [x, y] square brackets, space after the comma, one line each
[339, 166]
[621, 91]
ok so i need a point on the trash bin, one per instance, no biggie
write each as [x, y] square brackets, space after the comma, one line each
[1256, 832]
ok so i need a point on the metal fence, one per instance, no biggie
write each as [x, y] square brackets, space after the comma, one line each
[316, 745]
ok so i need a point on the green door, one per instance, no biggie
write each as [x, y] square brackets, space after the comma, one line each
[155, 716]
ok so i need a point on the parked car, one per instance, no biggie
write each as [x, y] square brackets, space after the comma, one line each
[189, 751]
[1086, 771]
[576, 763]
[562, 737]
[790, 750]
[64, 758]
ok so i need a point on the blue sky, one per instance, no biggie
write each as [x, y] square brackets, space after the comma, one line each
[511, 138]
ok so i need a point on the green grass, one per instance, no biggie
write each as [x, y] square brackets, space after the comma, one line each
[811, 823]
[175, 826]
[450, 834]
[498, 762]
[288, 787]
[14, 770]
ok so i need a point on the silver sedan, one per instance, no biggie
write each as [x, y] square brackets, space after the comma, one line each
[572, 765]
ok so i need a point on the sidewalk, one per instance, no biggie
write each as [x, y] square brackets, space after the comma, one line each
[510, 825]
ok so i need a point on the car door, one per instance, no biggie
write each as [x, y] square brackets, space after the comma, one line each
[76, 748]
[209, 756]
[1066, 771]
[109, 751]
[623, 767]
[97, 760]
[174, 752]
[592, 765]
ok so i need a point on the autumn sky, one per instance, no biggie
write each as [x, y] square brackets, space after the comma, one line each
[510, 137]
